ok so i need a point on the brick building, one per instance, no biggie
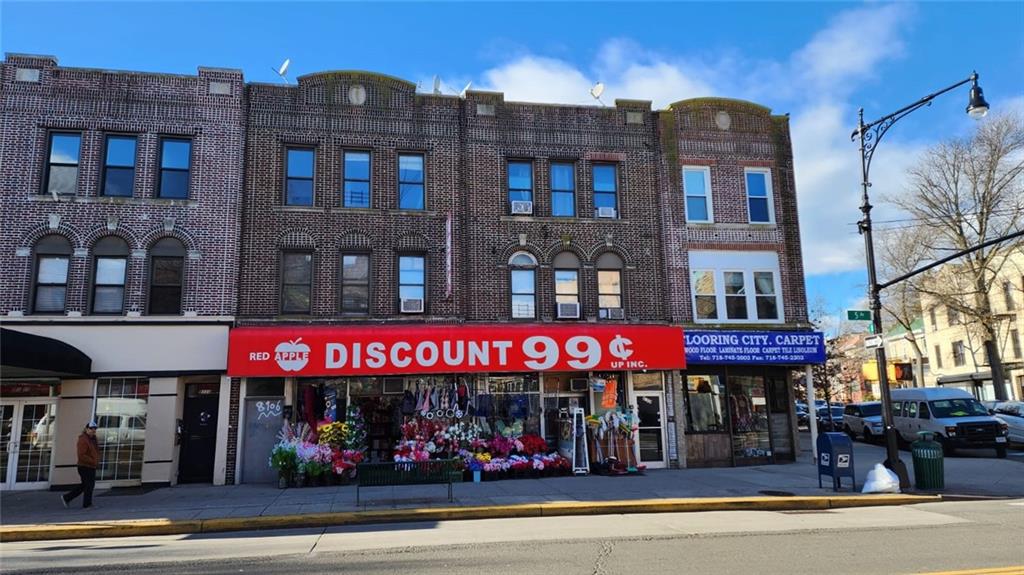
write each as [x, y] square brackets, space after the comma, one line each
[735, 276]
[371, 209]
[366, 242]
[120, 229]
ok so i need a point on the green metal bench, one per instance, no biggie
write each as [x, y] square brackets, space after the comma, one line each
[437, 471]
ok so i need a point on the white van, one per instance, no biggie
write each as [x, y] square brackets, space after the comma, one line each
[953, 415]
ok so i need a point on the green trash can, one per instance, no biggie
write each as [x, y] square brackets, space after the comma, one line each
[928, 462]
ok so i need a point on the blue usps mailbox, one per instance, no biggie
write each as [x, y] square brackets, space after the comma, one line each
[835, 458]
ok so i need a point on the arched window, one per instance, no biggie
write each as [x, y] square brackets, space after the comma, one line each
[523, 281]
[609, 287]
[110, 267]
[166, 276]
[567, 285]
[53, 253]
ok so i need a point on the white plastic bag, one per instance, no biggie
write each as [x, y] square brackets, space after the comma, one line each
[881, 480]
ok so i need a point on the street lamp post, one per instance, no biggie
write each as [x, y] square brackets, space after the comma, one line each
[870, 135]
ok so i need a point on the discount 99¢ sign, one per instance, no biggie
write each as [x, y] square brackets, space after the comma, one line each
[410, 349]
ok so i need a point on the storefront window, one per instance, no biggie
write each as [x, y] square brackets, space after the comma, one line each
[121, 404]
[514, 402]
[563, 393]
[264, 387]
[748, 409]
[608, 390]
[648, 381]
[705, 404]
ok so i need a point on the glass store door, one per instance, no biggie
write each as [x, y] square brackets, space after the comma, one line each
[748, 411]
[651, 434]
[27, 430]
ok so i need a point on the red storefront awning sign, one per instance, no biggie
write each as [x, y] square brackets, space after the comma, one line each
[304, 351]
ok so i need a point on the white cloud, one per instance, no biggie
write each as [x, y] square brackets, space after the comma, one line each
[852, 46]
[826, 69]
[537, 79]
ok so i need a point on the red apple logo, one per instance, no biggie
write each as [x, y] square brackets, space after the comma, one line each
[292, 355]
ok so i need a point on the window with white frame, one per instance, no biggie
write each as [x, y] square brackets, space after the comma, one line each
[705, 300]
[609, 287]
[120, 416]
[736, 287]
[760, 207]
[697, 190]
[523, 283]
[735, 295]
[766, 298]
[567, 279]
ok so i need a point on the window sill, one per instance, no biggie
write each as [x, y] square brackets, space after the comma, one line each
[118, 200]
[300, 209]
[735, 322]
[401, 212]
[562, 219]
[730, 226]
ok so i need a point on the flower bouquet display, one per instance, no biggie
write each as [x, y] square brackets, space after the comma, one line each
[334, 434]
[355, 440]
[344, 463]
[284, 459]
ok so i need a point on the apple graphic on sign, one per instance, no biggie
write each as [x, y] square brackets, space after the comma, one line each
[291, 355]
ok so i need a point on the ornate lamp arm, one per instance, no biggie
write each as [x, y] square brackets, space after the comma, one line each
[872, 132]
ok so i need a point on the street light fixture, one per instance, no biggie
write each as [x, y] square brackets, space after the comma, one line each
[977, 107]
[870, 135]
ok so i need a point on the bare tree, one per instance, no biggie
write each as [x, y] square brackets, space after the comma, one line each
[829, 383]
[965, 192]
[899, 253]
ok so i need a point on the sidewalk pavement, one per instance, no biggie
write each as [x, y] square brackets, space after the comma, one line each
[964, 476]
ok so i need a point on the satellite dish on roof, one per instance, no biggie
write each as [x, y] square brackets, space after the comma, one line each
[282, 71]
[596, 92]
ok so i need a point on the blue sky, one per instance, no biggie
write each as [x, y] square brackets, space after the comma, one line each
[817, 61]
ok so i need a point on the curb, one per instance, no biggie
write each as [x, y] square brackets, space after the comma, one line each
[192, 526]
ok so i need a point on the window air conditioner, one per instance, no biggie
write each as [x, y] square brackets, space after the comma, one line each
[613, 313]
[412, 306]
[568, 310]
[522, 207]
[606, 212]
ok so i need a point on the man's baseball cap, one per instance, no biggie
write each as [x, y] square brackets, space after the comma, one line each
[91, 425]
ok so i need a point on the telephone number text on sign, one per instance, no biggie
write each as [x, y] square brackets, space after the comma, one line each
[444, 349]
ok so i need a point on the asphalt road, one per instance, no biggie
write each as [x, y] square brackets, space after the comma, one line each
[910, 539]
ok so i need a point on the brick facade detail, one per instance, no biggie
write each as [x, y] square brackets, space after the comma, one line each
[148, 106]
[727, 136]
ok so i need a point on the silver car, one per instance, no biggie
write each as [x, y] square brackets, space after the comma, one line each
[1012, 414]
[863, 419]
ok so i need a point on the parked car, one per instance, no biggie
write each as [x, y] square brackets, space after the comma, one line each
[955, 417]
[830, 419]
[803, 419]
[864, 419]
[1012, 414]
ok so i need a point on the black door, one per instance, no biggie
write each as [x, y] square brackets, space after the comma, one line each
[199, 433]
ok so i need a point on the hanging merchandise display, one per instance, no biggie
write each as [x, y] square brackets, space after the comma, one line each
[609, 395]
[613, 435]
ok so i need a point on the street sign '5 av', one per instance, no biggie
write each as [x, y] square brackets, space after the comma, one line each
[858, 315]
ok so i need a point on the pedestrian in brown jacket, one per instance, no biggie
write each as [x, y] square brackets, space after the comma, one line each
[88, 460]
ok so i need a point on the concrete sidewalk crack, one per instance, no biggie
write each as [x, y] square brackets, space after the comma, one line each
[317, 542]
[606, 551]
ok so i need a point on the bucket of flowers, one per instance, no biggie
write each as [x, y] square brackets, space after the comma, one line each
[284, 459]
[344, 464]
[476, 467]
